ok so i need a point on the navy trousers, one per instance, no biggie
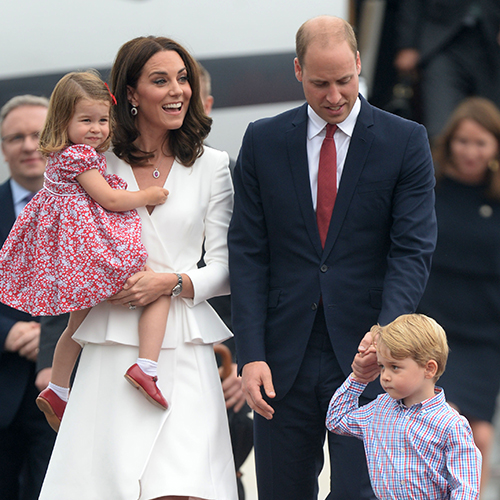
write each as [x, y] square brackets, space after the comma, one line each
[289, 449]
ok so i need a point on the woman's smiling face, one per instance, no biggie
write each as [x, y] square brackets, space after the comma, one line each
[163, 92]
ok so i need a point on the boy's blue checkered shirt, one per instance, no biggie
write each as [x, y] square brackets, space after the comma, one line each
[425, 452]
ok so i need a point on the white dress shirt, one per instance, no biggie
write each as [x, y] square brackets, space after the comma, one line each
[316, 130]
[19, 196]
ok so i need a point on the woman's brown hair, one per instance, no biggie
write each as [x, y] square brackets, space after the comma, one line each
[487, 115]
[185, 143]
[71, 89]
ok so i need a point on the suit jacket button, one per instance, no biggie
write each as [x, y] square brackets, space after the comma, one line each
[324, 268]
[314, 307]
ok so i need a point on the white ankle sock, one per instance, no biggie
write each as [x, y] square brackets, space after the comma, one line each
[148, 366]
[62, 392]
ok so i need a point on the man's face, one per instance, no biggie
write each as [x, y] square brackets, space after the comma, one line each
[330, 79]
[20, 133]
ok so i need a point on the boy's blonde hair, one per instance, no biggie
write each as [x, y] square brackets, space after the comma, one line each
[71, 89]
[415, 336]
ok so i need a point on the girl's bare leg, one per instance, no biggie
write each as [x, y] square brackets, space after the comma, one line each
[142, 375]
[152, 326]
[67, 350]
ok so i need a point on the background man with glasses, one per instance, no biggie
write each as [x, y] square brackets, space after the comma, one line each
[26, 440]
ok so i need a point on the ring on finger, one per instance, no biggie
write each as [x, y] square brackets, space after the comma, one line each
[131, 306]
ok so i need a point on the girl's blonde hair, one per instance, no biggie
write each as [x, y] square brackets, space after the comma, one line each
[415, 336]
[71, 89]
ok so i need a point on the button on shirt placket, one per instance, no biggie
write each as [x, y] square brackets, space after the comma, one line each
[399, 450]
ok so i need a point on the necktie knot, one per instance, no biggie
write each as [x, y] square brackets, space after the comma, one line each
[330, 130]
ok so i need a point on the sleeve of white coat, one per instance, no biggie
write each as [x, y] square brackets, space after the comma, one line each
[213, 279]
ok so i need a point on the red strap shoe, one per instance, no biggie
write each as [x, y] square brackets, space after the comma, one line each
[53, 407]
[147, 385]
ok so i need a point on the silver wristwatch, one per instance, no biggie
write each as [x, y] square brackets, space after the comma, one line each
[177, 288]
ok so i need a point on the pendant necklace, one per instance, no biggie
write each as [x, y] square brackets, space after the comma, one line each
[156, 172]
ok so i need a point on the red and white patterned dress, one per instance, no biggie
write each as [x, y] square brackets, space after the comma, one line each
[65, 252]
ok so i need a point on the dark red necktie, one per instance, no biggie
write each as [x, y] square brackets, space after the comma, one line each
[327, 182]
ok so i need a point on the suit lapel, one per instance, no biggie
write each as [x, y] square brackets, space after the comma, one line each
[296, 138]
[359, 147]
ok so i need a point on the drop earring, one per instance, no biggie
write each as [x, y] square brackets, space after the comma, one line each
[493, 165]
[133, 110]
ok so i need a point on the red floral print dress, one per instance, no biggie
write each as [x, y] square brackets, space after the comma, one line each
[65, 252]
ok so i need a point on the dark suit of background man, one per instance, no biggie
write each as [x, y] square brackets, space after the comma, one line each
[456, 46]
[301, 310]
[26, 440]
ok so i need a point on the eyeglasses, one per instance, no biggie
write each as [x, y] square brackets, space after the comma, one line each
[18, 139]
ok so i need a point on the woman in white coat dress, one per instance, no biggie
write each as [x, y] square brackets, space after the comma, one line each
[112, 443]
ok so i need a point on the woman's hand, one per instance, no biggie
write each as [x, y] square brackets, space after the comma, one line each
[144, 287]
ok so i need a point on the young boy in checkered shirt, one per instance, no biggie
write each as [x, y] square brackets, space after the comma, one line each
[416, 445]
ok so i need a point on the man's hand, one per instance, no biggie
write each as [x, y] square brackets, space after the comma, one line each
[407, 60]
[365, 366]
[233, 393]
[24, 338]
[256, 375]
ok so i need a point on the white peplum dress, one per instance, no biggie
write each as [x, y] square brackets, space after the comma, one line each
[113, 444]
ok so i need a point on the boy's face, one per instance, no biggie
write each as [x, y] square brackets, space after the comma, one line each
[404, 378]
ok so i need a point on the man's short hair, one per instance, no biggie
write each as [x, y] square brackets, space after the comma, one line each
[22, 100]
[333, 27]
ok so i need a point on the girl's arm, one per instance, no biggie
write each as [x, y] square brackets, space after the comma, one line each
[119, 200]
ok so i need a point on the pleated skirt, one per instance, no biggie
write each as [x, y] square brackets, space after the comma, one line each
[115, 445]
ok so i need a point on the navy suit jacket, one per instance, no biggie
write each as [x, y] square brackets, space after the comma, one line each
[377, 255]
[16, 372]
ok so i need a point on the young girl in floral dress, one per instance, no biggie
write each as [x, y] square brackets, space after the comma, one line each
[79, 239]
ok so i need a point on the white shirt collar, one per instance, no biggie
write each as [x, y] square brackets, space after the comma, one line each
[18, 192]
[316, 124]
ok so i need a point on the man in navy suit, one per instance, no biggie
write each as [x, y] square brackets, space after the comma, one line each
[26, 440]
[300, 307]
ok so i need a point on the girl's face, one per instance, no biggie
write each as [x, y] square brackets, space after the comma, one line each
[90, 123]
[162, 94]
[472, 147]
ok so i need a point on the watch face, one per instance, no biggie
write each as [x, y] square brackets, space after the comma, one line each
[177, 288]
